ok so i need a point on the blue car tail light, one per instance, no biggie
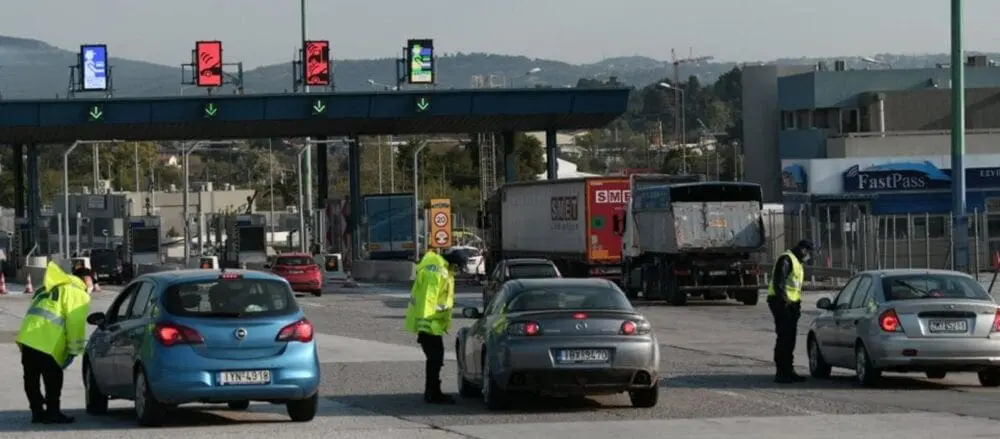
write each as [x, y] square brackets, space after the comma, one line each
[301, 331]
[171, 334]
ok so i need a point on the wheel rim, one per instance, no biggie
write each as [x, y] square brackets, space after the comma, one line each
[861, 365]
[813, 356]
[140, 396]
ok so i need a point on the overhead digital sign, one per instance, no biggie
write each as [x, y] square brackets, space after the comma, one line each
[208, 63]
[94, 67]
[420, 62]
[317, 63]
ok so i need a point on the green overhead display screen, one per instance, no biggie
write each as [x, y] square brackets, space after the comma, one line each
[95, 113]
[421, 104]
[420, 61]
[209, 110]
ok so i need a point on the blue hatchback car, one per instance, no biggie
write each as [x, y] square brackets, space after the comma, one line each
[201, 336]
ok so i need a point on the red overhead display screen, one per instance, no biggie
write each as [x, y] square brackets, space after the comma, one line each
[317, 64]
[208, 63]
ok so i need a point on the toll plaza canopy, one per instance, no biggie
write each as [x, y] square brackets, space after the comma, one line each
[312, 114]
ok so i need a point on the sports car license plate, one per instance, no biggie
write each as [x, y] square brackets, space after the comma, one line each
[295, 272]
[584, 356]
[245, 377]
[949, 326]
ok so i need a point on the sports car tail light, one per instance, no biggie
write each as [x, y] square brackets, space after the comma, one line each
[635, 327]
[889, 321]
[996, 321]
[169, 334]
[301, 331]
[524, 329]
[579, 316]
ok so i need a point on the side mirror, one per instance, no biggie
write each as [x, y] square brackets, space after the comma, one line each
[471, 313]
[97, 319]
[824, 303]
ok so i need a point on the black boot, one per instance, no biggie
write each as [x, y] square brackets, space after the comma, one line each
[37, 415]
[55, 416]
[786, 376]
[435, 396]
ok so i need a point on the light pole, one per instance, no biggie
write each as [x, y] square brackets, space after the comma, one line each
[302, 197]
[186, 163]
[270, 183]
[416, 202]
[135, 146]
[306, 173]
[66, 188]
[392, 164]
[681, 129]
[960, 229]
[379, 164]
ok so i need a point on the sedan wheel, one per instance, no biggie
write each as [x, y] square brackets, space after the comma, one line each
[818, 367]
[867, 375]
[95, 401]
[494, 397]
[466, 389]
[148, 411]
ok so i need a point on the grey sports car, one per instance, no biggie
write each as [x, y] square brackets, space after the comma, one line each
[559, 337]
[930, 321]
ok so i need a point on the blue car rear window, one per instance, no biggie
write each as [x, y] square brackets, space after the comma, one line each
[230, 298]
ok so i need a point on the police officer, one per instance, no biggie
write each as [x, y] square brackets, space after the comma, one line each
[785, 301]
[52, 333]
[87, 276]
[429, 316]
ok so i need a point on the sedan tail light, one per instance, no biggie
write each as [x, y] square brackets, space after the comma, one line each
[169, 334]
[301, 331]
[635, 327]
[524, 329]
[889, 321]
[996, 321]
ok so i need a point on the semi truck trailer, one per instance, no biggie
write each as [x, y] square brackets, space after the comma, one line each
[692, 239]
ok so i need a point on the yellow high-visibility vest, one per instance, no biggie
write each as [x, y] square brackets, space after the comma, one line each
[793, 285]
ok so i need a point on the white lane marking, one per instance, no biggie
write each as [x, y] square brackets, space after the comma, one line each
[312, 305]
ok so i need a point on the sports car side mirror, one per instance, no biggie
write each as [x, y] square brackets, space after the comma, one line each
[471, 313]
[824, 303]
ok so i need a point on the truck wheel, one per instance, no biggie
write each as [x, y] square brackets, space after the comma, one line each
[748, 297]
[675, 296]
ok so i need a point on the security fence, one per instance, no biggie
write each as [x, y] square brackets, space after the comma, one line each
[851, 239]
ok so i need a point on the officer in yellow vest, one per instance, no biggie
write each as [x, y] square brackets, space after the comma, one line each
[429, 316]
[52, 333]
[784, 298]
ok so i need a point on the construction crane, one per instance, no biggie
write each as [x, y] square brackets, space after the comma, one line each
[691, 59]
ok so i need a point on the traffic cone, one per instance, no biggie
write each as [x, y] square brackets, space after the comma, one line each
[3, 284]
[29, 289]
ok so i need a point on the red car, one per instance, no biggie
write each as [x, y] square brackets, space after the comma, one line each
[301, 271]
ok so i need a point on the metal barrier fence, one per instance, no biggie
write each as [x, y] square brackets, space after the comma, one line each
[852, 240]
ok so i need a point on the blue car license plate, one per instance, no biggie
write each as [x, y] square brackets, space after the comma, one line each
[584, 356]
[244, 377]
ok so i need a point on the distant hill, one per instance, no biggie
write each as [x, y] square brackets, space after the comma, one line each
[34, 69]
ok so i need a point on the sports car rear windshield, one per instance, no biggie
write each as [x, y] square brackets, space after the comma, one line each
[575, 297]
[932, 286]
[532, 271]
[295, 260]
[230, 298]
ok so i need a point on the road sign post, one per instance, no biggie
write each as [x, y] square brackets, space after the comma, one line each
[440, 223]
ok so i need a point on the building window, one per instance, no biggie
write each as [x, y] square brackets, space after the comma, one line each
[803, 118]
[821, 119]
[850, 120]
[788, 120]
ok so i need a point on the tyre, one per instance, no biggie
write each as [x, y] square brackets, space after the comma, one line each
[936, 374]
[989, 377]
[303, 410]
[645, 398]
[867, 374]
[675, 296]
[95, 401]
[494, 396]
[317, 293]
[148, 411]
[238, 405]
[466, 388]
[748, 297]
[818, 367]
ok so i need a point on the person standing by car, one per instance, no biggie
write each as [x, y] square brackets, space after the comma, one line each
[429, 316]
[52, 333]
[784, 298]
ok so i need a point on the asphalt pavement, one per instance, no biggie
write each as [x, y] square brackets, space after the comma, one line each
[716, 384]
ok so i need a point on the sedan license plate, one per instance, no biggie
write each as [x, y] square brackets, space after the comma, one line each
[295, 272]
[718, 223]
[718, 273]
[584, 356]
[949, 326]
[245, 377]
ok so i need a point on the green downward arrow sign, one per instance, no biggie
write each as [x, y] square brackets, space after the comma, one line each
[210, 110]
[423, 104]
[95, 113]
[319, 107]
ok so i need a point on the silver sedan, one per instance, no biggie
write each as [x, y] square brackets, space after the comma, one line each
[560, 337]
[929, 321]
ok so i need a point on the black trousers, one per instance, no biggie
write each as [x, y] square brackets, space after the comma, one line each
[41, 367]
[786, 325]
[433, 346]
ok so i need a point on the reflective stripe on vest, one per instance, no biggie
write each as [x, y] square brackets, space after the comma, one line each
[47, 315]
[793, 285]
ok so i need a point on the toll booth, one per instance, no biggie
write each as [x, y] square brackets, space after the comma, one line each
[247, 243]
[142, 242]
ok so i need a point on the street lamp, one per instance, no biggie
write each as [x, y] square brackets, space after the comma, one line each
[185, 163]
[683, 131]
[66, 188]
[870, 60]
[416, 203]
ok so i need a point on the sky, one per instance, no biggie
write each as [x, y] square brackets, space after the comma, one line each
[262, 32]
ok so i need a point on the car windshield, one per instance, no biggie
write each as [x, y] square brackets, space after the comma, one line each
[569, 298]
[531, 271]
[230, 298]
[103, 256]
[932, 286]
[294, 260]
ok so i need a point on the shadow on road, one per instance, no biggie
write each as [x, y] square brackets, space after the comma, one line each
[122, 419]
[412, 404]
[762, 381]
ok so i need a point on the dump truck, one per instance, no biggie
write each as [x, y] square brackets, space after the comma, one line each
[567, 221]
[701, 239]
